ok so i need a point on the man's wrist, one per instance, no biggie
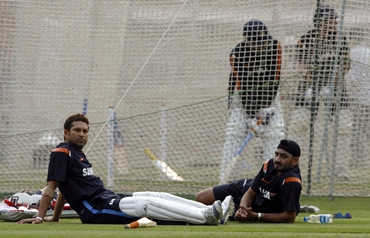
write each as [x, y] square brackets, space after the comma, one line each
[39, 218]
[259, 216]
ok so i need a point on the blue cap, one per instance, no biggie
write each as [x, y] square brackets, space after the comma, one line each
[338, 215]
[347, 215]
[256, 31]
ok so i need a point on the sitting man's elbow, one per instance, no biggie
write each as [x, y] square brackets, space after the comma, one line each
[289, 217]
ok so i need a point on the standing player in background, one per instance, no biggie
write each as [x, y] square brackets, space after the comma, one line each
[318, 48]
[253, 93]
[359, 88]
[318, 56]
[70, 171]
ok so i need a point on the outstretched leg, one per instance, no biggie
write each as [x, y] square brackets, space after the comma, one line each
[171, 208]
[170, 197]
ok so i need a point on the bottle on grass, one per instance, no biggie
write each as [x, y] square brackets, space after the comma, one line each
[320, 218]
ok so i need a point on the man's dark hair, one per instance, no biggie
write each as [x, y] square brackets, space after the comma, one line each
[73, 118]
[324, 13]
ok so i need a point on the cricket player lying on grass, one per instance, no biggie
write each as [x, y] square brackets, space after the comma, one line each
[70, 171]
[272, 196]
[23, 205]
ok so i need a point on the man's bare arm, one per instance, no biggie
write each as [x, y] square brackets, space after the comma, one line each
[284, 217]
[44, 204]
[57, 209]
[246, 202]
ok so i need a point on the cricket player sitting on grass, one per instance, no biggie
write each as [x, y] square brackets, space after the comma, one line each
[71, 172]
[272, 196]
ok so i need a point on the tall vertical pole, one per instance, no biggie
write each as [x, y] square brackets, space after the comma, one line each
[313, 106]
[338, 101]
[163, 132]
[110, 159]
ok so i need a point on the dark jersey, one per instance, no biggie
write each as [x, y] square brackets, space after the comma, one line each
[325, 59]
[258, 73]
[276, 194]
[77, 181]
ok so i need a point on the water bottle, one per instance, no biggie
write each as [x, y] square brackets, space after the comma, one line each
[320, 218]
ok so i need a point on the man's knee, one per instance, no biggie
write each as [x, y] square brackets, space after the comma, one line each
[205, 196]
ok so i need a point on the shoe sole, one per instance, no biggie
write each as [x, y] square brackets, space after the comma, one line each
[229, 211]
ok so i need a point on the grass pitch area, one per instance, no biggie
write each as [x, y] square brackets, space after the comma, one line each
[358, 226]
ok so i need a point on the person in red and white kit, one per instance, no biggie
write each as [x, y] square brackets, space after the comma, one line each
[71, 172]
[253, 93]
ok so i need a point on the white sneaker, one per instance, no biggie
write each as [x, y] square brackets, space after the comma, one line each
[228, 208]
[213, 213]
[309, 209]
[313, 209]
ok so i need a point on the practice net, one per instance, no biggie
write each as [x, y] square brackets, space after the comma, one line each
[152, 78]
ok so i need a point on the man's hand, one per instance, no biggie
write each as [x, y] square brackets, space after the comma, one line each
[244, 214]
[36, 220]
[30, 221]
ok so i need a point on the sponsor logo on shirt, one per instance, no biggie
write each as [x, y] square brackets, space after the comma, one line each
[112, 201]
[87, 172]
[267, 194]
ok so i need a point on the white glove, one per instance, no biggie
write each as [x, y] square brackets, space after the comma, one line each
[265, 115]
[252, 126]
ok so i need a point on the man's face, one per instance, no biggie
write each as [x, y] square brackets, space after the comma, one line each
[328, 28]
[254, 46]
[78, 134]
[284, 161]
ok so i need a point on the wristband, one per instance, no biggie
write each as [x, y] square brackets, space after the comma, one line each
[39, 218]
[259, 216]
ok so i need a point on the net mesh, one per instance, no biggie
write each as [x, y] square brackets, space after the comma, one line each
[154, 75]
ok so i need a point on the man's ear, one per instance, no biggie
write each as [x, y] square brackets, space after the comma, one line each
[66, 133]
[295, 161]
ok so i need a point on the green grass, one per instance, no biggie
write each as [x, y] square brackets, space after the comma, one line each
[358, 226]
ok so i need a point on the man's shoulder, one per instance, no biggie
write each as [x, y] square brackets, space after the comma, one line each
[310, 33]
[268, 166]
[274, 45]
[309, 36]
[62, 147]
[292, 179]
[293, 175]
[241, 46]
[65, 148]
